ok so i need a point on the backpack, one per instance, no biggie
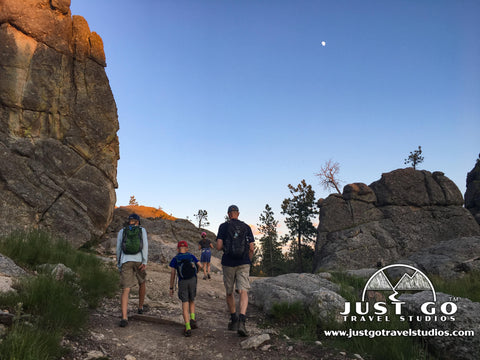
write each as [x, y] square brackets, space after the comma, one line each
[236, 243]
[132, 240]
[186, 268]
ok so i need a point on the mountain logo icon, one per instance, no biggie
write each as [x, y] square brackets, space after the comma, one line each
[411, 279]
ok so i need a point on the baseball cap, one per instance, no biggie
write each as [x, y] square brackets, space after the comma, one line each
[182, 244]
[232, 208]
[134, 216]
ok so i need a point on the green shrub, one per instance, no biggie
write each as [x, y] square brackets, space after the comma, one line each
[52, 307]
[34, 248]
[295, 321]
[55, 304]
[27, 342]
[467, 287]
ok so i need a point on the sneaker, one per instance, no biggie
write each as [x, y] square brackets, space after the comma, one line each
[193, 324]
[204, 278]
[187, 333]
[209, 276]
[140, 311]
[242, 331]
[233, 325]
[123, 322]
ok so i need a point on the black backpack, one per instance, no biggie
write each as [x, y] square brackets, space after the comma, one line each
[186, 268]
[132, 240]
[236, 244]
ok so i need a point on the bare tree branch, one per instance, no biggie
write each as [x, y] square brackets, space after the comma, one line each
[328, 175]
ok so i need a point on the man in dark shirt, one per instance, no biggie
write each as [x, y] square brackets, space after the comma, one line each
[236, 269]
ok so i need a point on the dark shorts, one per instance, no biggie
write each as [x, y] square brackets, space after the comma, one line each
[206, 256]
[187, 289]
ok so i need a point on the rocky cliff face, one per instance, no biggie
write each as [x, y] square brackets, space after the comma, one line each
[58, 123]
[472, 195]
[403, 212]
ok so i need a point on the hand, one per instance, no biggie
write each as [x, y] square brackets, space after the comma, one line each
[142, 267]
[171, 292]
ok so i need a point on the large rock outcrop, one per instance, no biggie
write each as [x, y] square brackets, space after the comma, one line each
[58, 123]
[458, 344]
[472, 194]
[403, 212]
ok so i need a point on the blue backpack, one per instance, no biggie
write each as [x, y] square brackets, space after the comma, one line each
[186, 267]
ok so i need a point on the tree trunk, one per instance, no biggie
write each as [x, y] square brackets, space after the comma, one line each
[300, 259]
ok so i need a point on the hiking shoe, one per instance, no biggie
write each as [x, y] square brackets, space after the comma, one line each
[233, 325]
[140, 311]
[209, 276]
[123, 322]
[187, 333]
[242, 331]
[204, 278]
[193, 324]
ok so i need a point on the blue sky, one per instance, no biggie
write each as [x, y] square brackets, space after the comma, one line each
[227, 102]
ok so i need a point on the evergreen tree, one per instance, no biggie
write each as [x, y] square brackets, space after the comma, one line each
[414, 158]
[291, 263]
[202, 218]
[271, 254]
[133, 201]
[300, 209]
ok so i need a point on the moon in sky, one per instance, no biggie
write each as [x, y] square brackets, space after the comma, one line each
[324, 43]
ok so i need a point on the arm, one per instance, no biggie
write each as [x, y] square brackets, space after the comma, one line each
[172, 280]
[119, 248]
[221, 235]
[251, 250]
[144, 250]
[219, 244]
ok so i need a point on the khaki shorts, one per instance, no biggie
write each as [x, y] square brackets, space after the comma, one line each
[130, 275]
[236, 276]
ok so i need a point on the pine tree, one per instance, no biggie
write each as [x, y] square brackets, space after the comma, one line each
[133, 201]
[202, 218]
[271, 253]
[414, 158]
[300, 209]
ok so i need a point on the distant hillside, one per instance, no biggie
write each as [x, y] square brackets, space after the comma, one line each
[148, 212]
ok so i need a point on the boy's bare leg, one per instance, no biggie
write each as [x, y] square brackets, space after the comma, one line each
[186, 313]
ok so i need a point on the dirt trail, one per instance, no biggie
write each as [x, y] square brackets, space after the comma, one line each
[149, 341]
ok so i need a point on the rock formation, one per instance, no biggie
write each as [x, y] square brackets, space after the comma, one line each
[319, 296]
[467, 318]
[58, 123]
[448, 259]
[403, 212]
[472, 195]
